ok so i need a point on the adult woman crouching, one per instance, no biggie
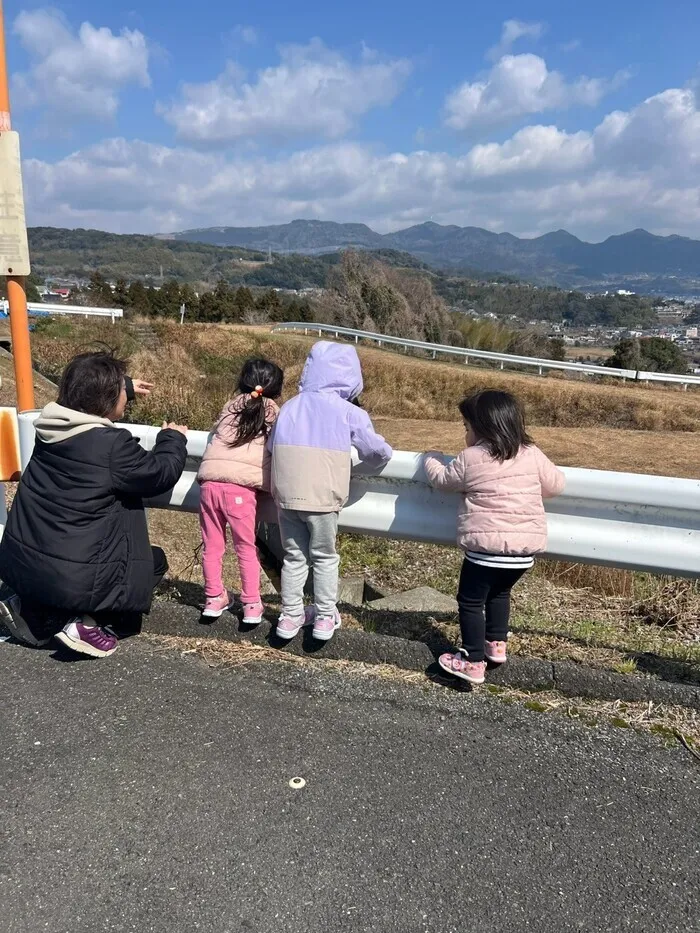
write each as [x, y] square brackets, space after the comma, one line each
[76, 544]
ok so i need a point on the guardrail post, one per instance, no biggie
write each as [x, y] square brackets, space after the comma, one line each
[539, 370]
[434, 353]
[27, 434]
[501, 364]
[357, 339]
[3, 509]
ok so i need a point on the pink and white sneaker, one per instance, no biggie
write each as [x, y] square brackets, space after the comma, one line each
[474, 672]
[325, 627]
[253, 613]
[215, 606]
[496, 652]
[289, 626]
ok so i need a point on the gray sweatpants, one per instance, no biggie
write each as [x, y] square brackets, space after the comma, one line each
[308, 539]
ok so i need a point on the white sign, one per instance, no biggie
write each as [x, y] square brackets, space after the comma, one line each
[14, 248]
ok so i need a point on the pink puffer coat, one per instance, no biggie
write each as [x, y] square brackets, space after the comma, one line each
[501, 511]
[248, 465]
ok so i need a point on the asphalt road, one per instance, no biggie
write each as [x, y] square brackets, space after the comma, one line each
[149, 792]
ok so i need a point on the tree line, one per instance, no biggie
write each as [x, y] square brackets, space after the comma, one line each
[222, 304]
[362, 293]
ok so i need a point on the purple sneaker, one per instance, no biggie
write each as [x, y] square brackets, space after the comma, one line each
[326, 626]
[87, 639]
[289, 626]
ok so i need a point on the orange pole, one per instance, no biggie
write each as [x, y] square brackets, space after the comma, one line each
[16, 294]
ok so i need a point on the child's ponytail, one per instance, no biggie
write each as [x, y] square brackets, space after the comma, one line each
[259, 380]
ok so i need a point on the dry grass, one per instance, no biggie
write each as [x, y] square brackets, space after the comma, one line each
[669, 722]
[197, 367]
[603, 448]
[612, 617]
[43, 390]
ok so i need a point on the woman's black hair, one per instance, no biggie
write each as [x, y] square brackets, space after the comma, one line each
[252, 420]
[497, 420]
[92, 383]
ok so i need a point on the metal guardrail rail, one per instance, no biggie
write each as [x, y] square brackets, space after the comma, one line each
[504, 359]
[626, 520]
[39, 308]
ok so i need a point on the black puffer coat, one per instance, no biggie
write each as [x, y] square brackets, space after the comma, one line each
[76, 537]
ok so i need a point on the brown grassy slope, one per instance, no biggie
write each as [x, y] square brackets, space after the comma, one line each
[197, 365]
[663, 454]
[43, 390]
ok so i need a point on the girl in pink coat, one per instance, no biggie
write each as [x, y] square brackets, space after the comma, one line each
[503, 478]
[235, 479]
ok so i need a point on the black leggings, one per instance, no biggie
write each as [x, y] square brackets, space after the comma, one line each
[484, 605]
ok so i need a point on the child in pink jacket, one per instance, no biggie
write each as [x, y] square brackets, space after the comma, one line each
[234, 474]
[501, 523]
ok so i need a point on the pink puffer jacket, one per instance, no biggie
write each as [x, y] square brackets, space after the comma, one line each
[248, 465]
[501, 511]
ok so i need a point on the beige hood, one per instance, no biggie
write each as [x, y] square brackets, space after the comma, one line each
[57, 423]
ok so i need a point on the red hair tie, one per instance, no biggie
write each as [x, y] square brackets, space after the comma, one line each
[257, 392]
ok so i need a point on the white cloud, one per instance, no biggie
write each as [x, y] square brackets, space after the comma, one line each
[517, 86]
[637, 168]
[247, 34]
[512, 31]
[313, 91]
[77, 74]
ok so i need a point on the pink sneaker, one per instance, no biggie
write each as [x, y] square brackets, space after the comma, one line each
[496, 652]
[253, 613]
[474, 672]
[216, 606]
[326, 626]
[289, 626]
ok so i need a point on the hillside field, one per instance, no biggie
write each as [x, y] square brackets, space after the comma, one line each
[611, 618]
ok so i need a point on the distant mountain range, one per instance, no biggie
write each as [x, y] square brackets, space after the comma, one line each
[638, 260]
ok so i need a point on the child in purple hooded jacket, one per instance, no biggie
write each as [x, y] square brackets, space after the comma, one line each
[311, 447]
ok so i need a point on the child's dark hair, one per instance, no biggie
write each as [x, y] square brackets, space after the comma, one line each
[92, 383]
[497, 420]
[259, 379]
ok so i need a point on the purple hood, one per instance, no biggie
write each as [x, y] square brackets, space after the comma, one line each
[332, 367]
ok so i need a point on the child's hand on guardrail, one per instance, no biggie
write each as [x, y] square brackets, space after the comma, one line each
[171, 426]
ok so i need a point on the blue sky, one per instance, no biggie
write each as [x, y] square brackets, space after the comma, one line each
[522, 117]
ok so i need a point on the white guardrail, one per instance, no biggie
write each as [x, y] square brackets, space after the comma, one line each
[39, 308]
[626, 520]
[504, 359]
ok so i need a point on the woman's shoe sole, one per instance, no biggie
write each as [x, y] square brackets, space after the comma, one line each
[465, 677]
[19, 629]
[82, 648]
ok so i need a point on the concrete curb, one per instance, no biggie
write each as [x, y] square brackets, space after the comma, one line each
[569, 678]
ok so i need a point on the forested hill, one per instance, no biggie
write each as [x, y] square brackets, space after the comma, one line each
[78, 254]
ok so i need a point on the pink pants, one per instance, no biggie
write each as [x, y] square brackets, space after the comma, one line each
[223, 504]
